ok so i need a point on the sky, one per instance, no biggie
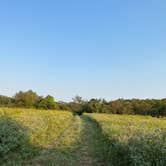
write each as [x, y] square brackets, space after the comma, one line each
[93, 48]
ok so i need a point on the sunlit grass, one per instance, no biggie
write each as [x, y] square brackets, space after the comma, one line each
[133, 140]
[45, 130]
[40, 137]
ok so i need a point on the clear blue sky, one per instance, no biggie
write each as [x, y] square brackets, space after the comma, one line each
[93, 48]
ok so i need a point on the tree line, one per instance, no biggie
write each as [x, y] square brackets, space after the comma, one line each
[30, 99]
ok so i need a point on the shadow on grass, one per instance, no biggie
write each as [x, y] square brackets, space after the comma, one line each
[16, 149]
[14, 142]
[109, 150]
[64, 150]
[99, 142]
[139, 150]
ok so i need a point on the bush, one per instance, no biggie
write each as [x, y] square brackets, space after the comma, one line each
[12, 135]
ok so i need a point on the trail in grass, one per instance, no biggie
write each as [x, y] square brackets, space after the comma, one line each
[89, 144]
[85, 152]
[76, 146]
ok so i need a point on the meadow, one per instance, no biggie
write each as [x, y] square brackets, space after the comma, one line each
[132, 140]
[55, 137]
[29, 136]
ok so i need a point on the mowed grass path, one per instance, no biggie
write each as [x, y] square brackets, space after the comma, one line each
[82, 138]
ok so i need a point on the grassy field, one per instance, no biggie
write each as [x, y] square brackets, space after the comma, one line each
[28, 133]
[58, 138]
[132, 140]
[39, 137]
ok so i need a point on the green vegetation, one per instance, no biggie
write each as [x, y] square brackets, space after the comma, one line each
[52, 137]
[27, 133]
[132, 140]
[29, 99]
[38, 137]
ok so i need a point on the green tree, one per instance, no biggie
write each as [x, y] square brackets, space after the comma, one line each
[26, 99]
[78, 100]
[46, 103]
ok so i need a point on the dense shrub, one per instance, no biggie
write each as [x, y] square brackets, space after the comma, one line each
[12, 135]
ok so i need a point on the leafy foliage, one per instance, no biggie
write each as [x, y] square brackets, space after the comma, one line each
[26, 99]
[46, 103]
[30, 99]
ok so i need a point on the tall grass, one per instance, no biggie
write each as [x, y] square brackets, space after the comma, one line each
[132, 140]
[24, 133]
[40, 137]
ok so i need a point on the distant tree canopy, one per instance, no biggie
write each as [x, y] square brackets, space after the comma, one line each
[6, 101]
[151, 107]
[30, 99]
[26, 99]
[46, 103]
